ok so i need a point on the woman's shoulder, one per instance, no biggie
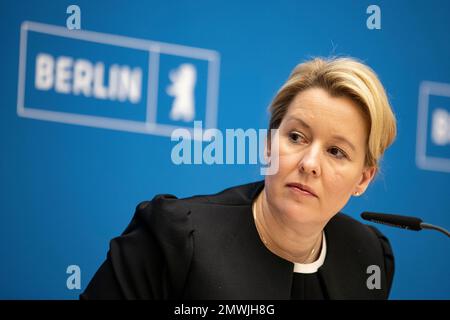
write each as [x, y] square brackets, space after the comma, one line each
[166, 213]
[169, 206]
[160, 234]
[354, 230]
[355, 248]
[356, 239]
[236, 195]
[366, 241]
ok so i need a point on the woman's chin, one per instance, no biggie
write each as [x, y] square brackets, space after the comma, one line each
[299, 213]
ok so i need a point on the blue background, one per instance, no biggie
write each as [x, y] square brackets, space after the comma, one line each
[66, 190]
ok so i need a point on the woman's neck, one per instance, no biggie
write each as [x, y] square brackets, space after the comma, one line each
[287, 242]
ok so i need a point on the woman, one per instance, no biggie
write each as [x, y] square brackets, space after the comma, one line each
[282, 238]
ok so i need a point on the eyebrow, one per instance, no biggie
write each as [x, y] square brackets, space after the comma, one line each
[335, 137]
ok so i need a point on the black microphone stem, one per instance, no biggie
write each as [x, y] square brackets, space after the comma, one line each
[424, 225]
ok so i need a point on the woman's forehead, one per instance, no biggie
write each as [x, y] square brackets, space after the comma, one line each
[315, 109]
[309, 116]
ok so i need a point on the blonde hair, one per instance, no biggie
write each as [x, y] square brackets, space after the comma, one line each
[343, 77]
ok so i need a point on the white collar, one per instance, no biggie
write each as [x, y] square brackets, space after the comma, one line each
[313, 266]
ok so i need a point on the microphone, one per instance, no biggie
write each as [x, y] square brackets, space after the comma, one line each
[405, 222]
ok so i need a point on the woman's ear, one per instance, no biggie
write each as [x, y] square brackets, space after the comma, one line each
[366, 177]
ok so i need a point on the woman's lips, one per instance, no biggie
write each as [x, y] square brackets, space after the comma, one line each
[301, 190]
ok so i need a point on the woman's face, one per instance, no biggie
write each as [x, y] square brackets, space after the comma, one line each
[322, 146]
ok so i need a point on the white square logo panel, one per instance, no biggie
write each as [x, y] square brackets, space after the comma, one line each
[433, 127]
[114, 82]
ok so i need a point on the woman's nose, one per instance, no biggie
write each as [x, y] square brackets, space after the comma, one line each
[310, 161]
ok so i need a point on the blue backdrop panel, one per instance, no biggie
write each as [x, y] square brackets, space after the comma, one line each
[76, 157]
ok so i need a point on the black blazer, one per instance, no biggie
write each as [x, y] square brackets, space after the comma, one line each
[207, 247]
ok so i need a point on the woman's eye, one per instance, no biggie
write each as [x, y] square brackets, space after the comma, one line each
[338, 153]
[295, 137]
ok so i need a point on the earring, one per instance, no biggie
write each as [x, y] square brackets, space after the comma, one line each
[356, 194]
